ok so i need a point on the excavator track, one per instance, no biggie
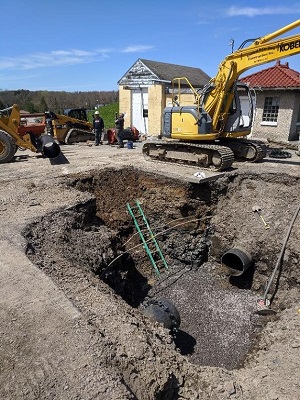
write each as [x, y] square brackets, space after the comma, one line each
[78, 135]
[247, 150]
[204, 155]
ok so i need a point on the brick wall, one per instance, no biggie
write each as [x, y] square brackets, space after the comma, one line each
[285, 129]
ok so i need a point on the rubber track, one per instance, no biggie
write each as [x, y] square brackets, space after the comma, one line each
[259, 147]
[226, 154]
[81, 131]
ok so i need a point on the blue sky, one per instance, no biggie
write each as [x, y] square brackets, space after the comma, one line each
[86, 45]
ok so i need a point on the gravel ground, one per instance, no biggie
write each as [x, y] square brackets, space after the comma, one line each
[220, 322]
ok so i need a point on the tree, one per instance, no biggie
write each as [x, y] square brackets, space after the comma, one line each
[29, 106]
[43, 105]
[43, 100]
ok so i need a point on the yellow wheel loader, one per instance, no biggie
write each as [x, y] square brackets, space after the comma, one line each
[11, 139]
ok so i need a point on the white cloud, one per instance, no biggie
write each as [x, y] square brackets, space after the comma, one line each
[252, 11]
[53, 58]
[137, 48]
[62, 58]
[17, 77]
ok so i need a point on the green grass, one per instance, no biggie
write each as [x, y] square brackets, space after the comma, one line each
[108, 113]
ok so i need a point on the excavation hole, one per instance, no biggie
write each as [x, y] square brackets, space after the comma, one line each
[194, 226]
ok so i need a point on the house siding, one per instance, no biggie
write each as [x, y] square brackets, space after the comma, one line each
[155, 78]
[158, 99]
[125, 105]
[295, 129]
[156, 104]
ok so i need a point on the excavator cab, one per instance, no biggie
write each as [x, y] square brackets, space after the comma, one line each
[240, 113]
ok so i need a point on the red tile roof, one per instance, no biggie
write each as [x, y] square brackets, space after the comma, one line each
[279, 76]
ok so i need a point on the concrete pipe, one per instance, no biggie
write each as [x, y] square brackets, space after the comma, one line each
[237, 261]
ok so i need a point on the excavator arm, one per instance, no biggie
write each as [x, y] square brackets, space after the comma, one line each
[261, 51]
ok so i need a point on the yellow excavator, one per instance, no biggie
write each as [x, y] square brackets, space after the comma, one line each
[212, 132]
[11, 139]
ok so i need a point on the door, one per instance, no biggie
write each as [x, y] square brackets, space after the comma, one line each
[240, 113]
[139, 109]
[245, 111]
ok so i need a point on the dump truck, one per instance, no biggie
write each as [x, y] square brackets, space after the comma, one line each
[34, 124]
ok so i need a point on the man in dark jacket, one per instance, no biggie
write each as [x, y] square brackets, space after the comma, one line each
[119, 129]
[98, 127]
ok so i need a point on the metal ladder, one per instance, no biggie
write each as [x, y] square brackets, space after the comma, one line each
[148, 239]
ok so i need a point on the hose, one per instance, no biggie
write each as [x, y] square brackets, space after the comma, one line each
[281, 253]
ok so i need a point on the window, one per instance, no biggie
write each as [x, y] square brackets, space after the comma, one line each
[271, 108]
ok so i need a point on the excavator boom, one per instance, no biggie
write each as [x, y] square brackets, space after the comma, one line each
[260, 52]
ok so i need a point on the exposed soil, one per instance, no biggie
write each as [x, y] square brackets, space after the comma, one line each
[76, 279]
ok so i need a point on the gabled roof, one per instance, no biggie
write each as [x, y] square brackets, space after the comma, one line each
[278, 76]
[143, 71]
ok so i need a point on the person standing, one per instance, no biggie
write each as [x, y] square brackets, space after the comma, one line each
[98, 127]
[119, 129]
[49, 118]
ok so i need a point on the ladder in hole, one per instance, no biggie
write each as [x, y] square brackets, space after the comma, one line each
[148, 239]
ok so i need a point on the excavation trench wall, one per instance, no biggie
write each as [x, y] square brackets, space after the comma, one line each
[92, 252]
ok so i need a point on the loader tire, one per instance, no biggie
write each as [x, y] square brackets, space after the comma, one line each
[7, 148]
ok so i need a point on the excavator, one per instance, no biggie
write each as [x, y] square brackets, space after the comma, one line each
[11, 139]
[211, 133]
